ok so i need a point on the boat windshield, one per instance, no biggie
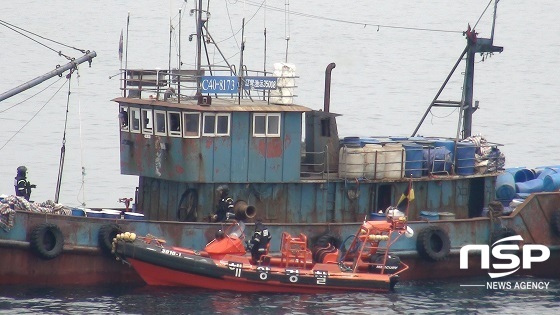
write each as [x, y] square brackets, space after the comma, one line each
[237, 229]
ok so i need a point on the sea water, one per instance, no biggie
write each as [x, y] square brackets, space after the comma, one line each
[433, 297]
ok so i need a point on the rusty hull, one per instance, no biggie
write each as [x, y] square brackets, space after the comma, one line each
[81, 261]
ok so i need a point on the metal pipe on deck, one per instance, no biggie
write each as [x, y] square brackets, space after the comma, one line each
[58, 71]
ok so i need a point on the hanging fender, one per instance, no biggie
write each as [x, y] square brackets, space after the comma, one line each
[433, 243]
[106, 235]
[46, 240]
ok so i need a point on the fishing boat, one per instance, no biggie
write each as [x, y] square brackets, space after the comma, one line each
[187, 132]
[224, 263]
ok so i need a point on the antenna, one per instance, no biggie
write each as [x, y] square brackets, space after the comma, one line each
[180, 61]
[199, 26]
[241, 84]
[287, 25]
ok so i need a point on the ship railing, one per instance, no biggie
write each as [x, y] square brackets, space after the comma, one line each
[177, 85]
[314, 164]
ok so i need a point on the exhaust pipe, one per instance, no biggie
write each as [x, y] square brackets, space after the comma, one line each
[327, 104]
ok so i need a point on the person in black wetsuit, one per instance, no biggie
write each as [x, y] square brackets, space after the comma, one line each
[225, 205]
[21, 184]
[259, 241]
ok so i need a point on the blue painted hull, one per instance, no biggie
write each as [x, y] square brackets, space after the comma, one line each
[82, 261]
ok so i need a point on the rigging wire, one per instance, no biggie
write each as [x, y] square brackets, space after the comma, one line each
[481, 15]
[16, 28]
[231, 27]
[34, 115]
[234, 33]
[272, 8]
[32, 96]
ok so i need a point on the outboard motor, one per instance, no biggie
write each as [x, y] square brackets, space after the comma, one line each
[391, 265]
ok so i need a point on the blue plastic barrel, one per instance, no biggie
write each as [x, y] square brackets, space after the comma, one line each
[521, 174]
[429, 215]
[414, 158]
[93, 213]
[544, 172]
[551, 182]
[133, 216]
[446, 143]
[464, 163]
[531, 186]
[364, 141]
[77, 212]
[352, 142]
[437, 160]
[505, 186]
[374, 216]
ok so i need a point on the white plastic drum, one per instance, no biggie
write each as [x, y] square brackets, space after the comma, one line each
[374, 161]
[351, 162]
[394, 166]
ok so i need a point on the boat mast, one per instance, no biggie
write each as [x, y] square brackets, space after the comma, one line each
[474, 45]
[58, 71]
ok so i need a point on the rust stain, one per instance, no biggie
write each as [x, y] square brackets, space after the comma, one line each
[179, 169]
[287, 140]
[209, 143]
[272, 150]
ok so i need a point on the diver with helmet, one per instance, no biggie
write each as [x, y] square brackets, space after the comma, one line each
[224, 209]
[21, 184]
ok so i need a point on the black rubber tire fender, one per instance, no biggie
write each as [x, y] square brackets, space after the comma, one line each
[106, 235]
[555, 222]
[433, 243]
[46, 240]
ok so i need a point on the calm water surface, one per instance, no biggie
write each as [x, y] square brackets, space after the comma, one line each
[384, 80]
[409, 298]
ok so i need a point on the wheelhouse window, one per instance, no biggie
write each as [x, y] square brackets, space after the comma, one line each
[174, 119]
[216, 125]
[191, 125]
[266, 125]
[123, 118]
[134, 120]
[147, 122]
[160, 123]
